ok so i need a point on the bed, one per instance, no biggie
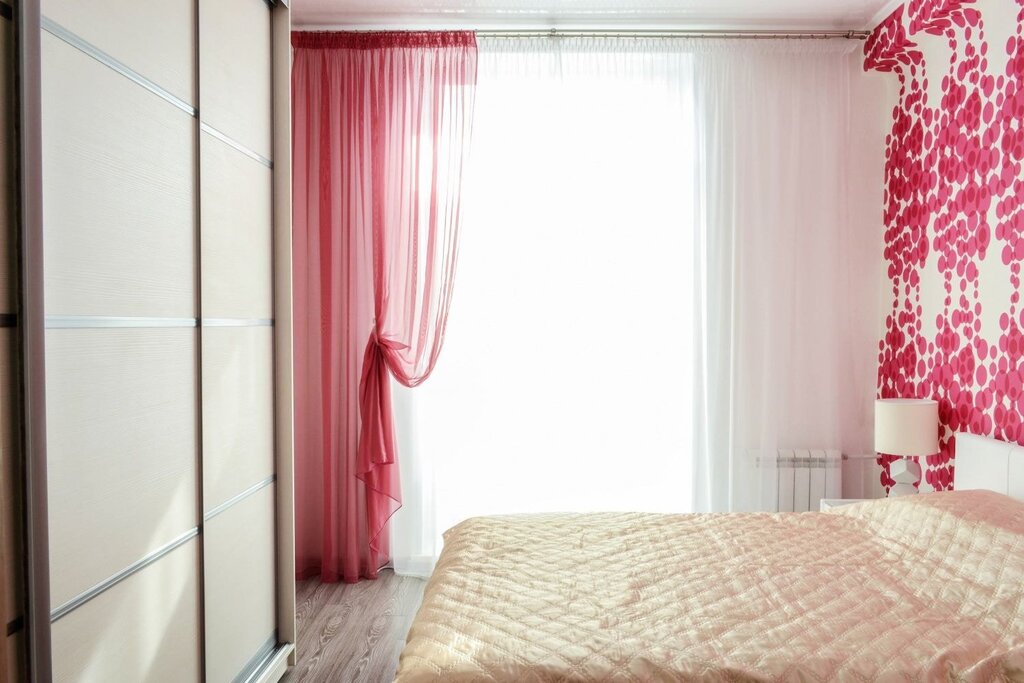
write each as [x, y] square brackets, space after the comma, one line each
[927, 587]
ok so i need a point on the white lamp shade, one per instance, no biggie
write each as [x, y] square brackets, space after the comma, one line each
[906, 426]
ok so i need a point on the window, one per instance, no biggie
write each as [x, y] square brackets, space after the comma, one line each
[566, 377]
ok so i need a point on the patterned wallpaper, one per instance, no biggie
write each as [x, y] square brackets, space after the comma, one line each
[954, 217]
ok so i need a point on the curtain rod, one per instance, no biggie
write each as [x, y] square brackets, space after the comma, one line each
[674, 33]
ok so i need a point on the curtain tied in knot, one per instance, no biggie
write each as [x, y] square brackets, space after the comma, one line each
[377, 436]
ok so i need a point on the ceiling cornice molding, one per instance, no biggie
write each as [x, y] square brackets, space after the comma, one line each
[882, 14]
[357, 16]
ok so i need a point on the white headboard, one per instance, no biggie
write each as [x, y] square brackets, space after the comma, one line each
[984, 463]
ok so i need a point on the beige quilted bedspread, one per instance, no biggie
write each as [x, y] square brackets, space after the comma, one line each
[925, 588]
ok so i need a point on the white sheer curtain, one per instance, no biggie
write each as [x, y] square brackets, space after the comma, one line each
[653, 236]
[787, 348]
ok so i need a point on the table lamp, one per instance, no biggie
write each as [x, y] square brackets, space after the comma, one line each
[906, 427]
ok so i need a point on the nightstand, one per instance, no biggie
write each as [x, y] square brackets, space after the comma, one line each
[829, 503]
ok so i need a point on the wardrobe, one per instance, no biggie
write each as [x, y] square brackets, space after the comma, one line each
[146, 341]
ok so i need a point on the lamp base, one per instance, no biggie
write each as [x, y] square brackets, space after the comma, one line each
[904, 472]
[902, 490]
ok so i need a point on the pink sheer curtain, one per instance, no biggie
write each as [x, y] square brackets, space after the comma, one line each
[381, 134]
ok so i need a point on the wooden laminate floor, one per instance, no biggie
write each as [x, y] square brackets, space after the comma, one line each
[353, 632]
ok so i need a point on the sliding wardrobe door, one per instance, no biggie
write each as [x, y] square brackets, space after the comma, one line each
[119, 207]
[236, 255]
[167, 390]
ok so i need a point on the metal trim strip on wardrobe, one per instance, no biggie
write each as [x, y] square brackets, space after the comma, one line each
[255, 156]
[105, 585]
[131, 74]
[238, 322]
[197, 207]
[254, 666]
[234, 500]
[8, 319]
[32, 379]
[97, 321]
[102, 57]
[94, 321]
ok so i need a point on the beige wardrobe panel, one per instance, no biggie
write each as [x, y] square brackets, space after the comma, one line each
[121, 449]
[239, 565]
[7, 272]
[119, 192]
[10, 472]
[238, 411]
[237, 232]
[143, 630]
[234, 70]
[154, 39]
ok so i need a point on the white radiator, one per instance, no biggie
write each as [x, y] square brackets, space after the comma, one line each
[805, 476]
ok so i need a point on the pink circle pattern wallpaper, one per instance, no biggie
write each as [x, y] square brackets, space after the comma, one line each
[954, 197]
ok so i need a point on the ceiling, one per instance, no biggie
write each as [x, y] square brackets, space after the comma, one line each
[700, 14]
